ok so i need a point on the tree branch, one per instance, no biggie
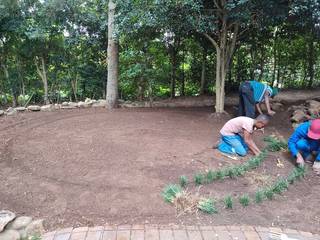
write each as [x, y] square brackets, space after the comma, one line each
[212, 40]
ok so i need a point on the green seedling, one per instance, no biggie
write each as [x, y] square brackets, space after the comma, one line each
[207, 205]
[199, 179]
[244, 200]
[280, 186]
[230, 172]
[269, 193]
[183, 181]
[259, 196]
[274, 144]
[211, 176]
[228, 202]
[239, 171]
[170, 192]
[220, 174]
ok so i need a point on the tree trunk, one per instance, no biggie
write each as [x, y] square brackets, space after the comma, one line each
[224, 53]
[14, 95]
[43, 75]
[203, 72]
[173, 73]
[183, 80]
[311, 63]
[113, 59]
[74, 86]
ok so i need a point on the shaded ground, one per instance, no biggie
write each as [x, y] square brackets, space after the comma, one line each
[90, 167]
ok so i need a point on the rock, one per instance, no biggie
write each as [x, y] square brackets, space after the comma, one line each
[20, 109]
[84, 104]
[73, 104]
[295, 107]
[1, 112]
[35, 228]
[64, 104]
[299, 116]
[11, 112]
[46, 108]
[100, 103]
[23, 234]
[5, 218]
[88, 100]
[10, 235]
[19, 223]
[34, 108]
[56, 106]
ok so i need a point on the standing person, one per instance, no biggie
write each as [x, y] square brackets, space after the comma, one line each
[305, 142]
[231, 140]
[251, 94]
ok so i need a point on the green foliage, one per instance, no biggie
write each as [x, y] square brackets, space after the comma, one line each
[199, 179]
[207, 205]
[259, 196]
[280, 186]
[269, 193]
[244, 200]
[183, 181]
[275, 144]
[170, 192]
[228, 202]
[211, 176]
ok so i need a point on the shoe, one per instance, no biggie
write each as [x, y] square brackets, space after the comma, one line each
[316, 167]
[216, 145]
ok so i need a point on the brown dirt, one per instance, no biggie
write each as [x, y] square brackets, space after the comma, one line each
[90, 167]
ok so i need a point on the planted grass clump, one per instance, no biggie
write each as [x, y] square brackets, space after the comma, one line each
[228, 202]
[183, 181]
[207, 205]
[170, 192]
[199, 179]
[275, 144]
[259, 196]
[244, 200]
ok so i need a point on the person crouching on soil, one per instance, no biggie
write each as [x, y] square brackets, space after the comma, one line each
[236, 135]
[304, 144]
[251, 94]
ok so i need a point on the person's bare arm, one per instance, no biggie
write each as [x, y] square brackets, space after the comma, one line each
[259, 108]
[267, 101]
[251, 144]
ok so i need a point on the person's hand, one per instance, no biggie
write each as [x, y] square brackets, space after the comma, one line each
[271, 113]
[300, 160]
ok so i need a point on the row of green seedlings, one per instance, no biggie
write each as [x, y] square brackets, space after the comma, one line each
[208, 205]
[268, 193]
[230, 171]
[274, 144]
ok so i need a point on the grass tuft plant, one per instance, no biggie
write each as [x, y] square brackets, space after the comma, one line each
[228, 202]
[170, 192]
[199, 179]
[269, 193]
[211, 176]
[244, 200]
[183, 181]
[275, 144]
[207, 205]
[259, 196]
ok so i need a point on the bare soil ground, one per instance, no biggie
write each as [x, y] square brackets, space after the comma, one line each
[91, 166]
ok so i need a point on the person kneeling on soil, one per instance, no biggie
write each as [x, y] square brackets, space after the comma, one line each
[304, 143]
[231, 140]
[251, 94]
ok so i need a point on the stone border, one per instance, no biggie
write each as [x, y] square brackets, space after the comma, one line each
[174, 232]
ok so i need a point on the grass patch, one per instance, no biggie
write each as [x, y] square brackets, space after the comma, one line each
[228, 202]
[183, 181]
[244, 200]
[207, 205]
[170, 192]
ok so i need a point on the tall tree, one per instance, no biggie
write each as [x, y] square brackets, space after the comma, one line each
[113, 59]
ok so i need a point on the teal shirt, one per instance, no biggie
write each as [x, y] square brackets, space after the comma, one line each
[259, 90]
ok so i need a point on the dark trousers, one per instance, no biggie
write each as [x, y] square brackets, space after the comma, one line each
[247, 105]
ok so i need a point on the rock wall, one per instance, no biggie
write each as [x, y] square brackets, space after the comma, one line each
[19, 228]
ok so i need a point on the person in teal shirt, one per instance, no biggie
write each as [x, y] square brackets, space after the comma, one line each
[251, 94]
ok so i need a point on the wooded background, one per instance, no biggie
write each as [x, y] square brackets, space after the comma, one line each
[57, 50]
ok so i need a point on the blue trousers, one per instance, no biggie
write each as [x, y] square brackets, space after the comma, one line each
[247, 105]
[233, 145]
[307, 146]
